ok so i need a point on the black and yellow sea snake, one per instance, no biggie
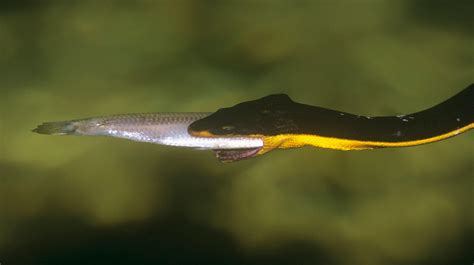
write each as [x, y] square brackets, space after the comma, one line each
[256, 127]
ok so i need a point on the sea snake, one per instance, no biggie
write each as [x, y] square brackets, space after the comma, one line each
[256, 127]
[282, 123]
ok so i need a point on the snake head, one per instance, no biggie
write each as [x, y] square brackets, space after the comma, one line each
[265, 116]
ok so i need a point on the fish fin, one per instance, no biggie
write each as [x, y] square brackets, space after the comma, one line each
[56, 128]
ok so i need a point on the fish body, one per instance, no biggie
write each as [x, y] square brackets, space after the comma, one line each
[158, 128]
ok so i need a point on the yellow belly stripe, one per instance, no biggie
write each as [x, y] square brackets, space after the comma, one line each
[299, 140]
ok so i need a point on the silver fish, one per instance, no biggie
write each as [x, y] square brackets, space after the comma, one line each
[158, 128]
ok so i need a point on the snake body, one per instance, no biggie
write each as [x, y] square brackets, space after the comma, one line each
[283, 123]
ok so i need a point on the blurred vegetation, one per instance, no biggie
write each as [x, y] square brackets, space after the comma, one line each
[73, 200]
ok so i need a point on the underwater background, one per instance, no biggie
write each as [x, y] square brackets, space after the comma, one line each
[86, 200]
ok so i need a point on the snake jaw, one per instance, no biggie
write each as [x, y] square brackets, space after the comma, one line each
[230, 155]
[233, 155]
[201, 133]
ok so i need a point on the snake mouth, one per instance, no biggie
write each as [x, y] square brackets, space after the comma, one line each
[228, 155]
[202, 133]
[232, 155]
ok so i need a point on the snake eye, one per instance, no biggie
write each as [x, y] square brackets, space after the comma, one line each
[228, 128]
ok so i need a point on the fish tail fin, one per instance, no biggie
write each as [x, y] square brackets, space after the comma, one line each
[57, 128]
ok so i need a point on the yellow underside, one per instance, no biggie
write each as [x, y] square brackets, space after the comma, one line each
[299, 140]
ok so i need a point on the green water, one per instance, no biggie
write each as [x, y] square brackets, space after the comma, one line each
[79, 200]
